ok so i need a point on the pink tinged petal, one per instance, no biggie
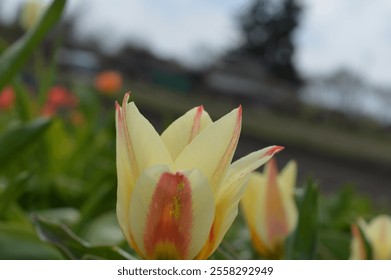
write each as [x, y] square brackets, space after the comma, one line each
[276, 218]
[183, 130]
[212, 150]
[357, 248]
[195, 129]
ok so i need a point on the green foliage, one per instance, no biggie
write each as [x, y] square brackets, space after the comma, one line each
[302, 243]
[14, 58]
[72, 246]
[15, 139]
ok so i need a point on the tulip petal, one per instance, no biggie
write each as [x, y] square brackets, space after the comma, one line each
[144, 142]
[125, 175]
[212, 150]
[287, 178]
[357, 246]
[253, 197]
[229, 195]
[138, 147]
[183, 130]
[226, 212]
[248, 164]
[171, 214]
[275, 216]
[379, 234]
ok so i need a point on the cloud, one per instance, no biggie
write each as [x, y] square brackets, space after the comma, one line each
[350, 34]
[172, 29]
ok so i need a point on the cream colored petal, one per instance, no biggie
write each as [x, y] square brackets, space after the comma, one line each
[357, 249]
[226, 212]
[379, 234]
[140, 203]
[287, 183]
[144, 142]
[183, 130]
[248, 164]
[212, 150]
[202, 209]
[252, 197]
[287, 178]
[125, 175]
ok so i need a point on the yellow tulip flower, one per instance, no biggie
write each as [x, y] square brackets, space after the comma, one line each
[269, 208]
[178, 192]
[378, 234]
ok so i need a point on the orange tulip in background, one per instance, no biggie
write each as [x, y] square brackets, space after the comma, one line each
[59, 98]
[108, 82]
[7, 98]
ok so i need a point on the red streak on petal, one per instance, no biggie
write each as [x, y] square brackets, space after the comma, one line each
[230, 149]
[276, 218]
[170, 218]
[196, 123]
[212, 234]
[119, 118]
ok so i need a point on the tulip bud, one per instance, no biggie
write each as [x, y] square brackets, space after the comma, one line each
[378, 235]
[269, 208]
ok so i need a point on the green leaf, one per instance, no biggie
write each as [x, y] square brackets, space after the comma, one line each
[301, 245]
[72, 246]
[104, 230]
[333, 245]
[16, 139]
[23, 101]
[18, 242]
[12, 191]
[13, 58]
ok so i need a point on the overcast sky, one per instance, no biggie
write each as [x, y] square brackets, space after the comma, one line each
[333, 34]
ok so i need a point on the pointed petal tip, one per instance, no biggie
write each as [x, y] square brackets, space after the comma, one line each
[200, 110]
[273, 150]
[126, 99]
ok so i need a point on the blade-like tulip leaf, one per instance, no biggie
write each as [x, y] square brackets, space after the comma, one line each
[13, 58]
[301, 245]
[72, 246]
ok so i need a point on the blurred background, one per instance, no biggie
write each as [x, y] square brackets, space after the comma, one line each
[312, 75]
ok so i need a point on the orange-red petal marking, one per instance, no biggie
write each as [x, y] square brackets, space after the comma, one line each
[170, 218]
